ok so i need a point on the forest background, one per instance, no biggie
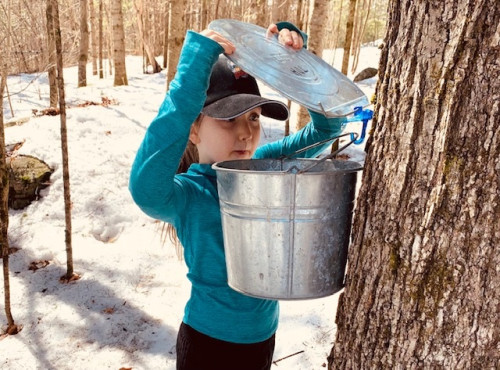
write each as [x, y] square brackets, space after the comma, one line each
[422, 288]
[155, 26]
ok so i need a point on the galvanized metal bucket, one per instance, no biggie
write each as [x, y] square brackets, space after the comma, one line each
[286, 225]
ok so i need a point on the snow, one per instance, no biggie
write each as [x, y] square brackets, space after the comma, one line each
[126, 308]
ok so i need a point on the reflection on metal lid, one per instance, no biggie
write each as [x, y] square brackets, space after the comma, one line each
[298, 75]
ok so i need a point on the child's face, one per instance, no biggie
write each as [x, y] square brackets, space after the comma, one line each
[218, 140]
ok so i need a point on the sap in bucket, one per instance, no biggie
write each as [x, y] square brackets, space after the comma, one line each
[286, 232]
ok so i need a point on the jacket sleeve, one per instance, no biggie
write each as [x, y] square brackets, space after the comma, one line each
[292, 27]
[152, 179]
[320, 128]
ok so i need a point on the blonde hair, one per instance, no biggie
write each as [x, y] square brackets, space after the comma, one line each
[189, 157]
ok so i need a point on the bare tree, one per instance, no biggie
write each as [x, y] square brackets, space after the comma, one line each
[166, 14]
[176, 31]
[84, 44]
[101, 39]
[93, 37]
[255, 12]
[12, 328]
[348, 36]
[363, 13]
[118, 43]
[422, 286]
[70, 275]
[315, 24]
[51, 47]
[139, 8]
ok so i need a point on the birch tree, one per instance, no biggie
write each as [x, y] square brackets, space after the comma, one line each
[422, 286]
[315, 25]
[118, 35]
[139, 8]
[51, 47]
[348, 36]
[70, 275]
[12, 328]
[84, 44]
[176, 31]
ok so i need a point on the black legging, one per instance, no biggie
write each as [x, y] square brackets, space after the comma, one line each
[197, 351]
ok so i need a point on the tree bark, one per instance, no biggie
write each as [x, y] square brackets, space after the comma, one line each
[348, 36]
[256, 13]
[84, 44]
[51, 46]
[118, 43]
[4, 209]
[422, 287]
[101, 40]
[176, 31]
[138, 5]
[316, 23]
[64, 144]
[93, 37]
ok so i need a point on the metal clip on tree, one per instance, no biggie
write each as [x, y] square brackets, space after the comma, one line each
[360, 115]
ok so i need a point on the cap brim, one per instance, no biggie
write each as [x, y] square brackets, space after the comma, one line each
[235, 105]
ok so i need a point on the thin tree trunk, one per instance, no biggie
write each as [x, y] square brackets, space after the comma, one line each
[64, 146]
[12, 328]
[118, 43]
[348, 36]
[316, 24]
[101, 40]
[359, 38]
[139, 5]
[84, 45]
[165, 33]
[337, 32]
[93, 37]
[422, 285]
[51, 46]
[175, 36]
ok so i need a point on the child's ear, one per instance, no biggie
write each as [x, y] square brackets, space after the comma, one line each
[193, 134]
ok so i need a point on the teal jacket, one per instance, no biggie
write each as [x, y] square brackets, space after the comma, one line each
[190, 200]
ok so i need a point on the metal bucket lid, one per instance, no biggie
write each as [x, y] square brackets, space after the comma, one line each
[299, 75]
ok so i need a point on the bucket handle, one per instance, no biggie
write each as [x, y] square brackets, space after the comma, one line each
[352, 135]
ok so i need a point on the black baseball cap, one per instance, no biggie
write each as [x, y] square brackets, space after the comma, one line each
[233, 92]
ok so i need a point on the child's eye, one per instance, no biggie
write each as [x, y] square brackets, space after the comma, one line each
[254, 117]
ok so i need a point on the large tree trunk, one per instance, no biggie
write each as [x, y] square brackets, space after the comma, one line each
[84, 45]
[423, 282]
[118, 43]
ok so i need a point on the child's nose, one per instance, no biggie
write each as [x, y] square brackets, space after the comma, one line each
[245, 130]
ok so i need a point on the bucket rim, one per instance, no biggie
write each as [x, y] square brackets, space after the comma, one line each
[224, 166]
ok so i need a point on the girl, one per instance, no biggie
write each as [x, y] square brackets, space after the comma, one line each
[221, 328]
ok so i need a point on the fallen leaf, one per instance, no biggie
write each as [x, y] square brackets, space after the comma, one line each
[35, 265]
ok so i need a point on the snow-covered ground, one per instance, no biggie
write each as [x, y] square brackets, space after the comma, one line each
[126, 308]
